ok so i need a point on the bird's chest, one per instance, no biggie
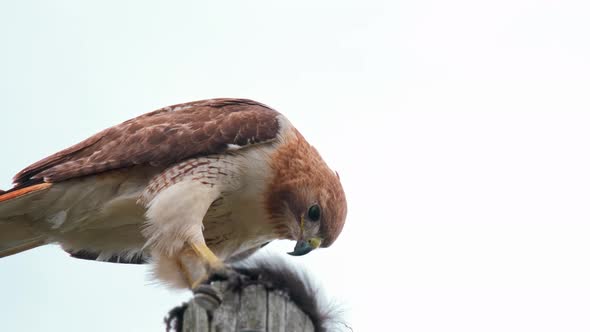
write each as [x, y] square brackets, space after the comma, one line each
[235, 224]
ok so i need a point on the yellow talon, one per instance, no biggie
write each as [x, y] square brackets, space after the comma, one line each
[204, 252]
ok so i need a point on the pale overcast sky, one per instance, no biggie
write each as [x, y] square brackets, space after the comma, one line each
[460, 130]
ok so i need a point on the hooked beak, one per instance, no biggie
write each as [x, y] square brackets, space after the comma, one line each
[303, 247]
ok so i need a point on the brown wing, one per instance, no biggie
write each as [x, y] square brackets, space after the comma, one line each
[160, 138]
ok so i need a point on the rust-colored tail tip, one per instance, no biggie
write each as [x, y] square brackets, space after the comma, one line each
[6, 196]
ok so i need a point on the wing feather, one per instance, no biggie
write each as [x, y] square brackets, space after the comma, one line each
[160, 138]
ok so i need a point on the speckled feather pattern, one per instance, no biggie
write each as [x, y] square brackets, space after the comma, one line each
[205, 170]
[161, 138]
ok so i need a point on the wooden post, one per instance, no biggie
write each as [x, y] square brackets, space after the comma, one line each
[254, 308]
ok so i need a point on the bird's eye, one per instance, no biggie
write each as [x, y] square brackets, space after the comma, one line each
[314, 213]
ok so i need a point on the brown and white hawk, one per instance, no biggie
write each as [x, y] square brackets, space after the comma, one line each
[186, 187]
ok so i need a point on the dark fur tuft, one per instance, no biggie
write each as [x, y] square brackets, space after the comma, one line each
[275, 273]
[175, 318]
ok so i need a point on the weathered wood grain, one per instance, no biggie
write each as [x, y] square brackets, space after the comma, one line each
[195, 318]
[253, 309]
[224, 319]
[294, 319]
[277, 304]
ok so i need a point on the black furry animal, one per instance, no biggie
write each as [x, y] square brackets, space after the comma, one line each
[275, 274]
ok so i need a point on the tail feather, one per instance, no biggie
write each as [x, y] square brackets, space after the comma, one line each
[11, 248]
[16, 233]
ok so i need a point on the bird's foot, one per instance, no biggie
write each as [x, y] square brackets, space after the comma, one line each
[209, 296]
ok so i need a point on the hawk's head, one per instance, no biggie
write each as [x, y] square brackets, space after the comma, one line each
[305, 198]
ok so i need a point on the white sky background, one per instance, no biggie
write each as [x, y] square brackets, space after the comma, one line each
[460, 130]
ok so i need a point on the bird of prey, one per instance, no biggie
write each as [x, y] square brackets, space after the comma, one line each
[186, 188]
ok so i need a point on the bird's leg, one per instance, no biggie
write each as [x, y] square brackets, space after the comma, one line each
[193, 272]
[190, 266]
[206, 254]
[185, 271]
